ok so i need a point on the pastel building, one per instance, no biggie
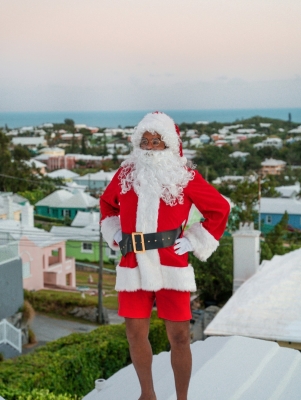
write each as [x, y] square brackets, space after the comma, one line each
[43, 255]
[272, 167]
[62, 203]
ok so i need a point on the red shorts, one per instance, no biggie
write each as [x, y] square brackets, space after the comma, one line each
[171, 304]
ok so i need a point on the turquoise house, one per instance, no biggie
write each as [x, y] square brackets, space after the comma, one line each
[63, 204]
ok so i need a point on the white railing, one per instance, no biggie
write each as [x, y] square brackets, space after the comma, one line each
[10, 335]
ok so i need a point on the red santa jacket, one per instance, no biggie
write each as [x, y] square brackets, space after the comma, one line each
[147, 213]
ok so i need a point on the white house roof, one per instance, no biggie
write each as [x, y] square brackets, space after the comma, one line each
[271, 162]
[42, 157]
[267, 305]
[39, 237]
[51, 149]
[296, 130]
[83, 218]
[279, 205]
[55, 199]
[73, 185]
[289, 191]
[97, 176]
[232, 368]
[80, 200]
[34, 163]
[87, 234]
[238, 154]
[62, 173]
[28, 141]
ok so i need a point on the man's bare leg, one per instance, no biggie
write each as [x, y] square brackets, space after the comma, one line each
[179, 338]
[137, 330]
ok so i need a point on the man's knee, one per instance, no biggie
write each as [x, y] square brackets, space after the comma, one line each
[137, 331]
[179, 338]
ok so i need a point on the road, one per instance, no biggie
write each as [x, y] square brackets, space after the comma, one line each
[47, 329]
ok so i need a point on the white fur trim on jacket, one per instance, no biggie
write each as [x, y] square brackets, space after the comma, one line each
[176, 278]
[109, 226]
[203, 243]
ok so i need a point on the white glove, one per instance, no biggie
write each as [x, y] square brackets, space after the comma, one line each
[182, 245]
[118, 236]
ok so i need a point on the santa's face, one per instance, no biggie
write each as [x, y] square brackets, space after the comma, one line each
[152, 141]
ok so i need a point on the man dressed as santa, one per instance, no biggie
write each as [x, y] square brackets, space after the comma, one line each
[144, 211]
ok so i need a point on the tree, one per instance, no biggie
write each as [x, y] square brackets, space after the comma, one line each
[21, 153]
[245, 196]
[214, 278]
[69, 122]
[274, 239]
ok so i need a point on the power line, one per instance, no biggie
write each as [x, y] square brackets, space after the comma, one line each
[27, 180]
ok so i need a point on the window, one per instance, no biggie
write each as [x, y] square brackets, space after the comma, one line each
[87, 247]
[268, 219]
[67, 213]
[26, 270]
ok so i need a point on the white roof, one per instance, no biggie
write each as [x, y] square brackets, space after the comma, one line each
[85, 157]
[43, 157]
[55, 199]
[271, 162]
[73, 185]
[83, 219]
[267, 305]
[62, 173]
[238, 154]
[51, 149]
[87, 234]
[34, 163]
[80, 200]
[296, 130]
[279, 205]
[232, 368]
[290, 190]
[28, 141]
[64, 199]
[97, 176]
[39, 237]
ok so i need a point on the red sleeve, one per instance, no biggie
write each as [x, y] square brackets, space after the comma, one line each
[109, 200]
[213, 206]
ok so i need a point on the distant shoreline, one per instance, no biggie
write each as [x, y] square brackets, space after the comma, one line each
[114, 119]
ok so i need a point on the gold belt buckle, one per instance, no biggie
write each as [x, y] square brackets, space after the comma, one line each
[142, 242]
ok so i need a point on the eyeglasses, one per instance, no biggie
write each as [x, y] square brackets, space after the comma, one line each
[155, 142]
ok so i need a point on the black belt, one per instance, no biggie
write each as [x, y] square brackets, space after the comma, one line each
[139, 242]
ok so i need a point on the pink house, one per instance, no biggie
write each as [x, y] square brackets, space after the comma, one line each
[44, 261]
[45, 264]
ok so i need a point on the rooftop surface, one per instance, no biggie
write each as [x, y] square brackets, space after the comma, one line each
[231, 368]
[267, 305]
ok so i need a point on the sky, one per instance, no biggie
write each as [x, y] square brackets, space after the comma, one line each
[89, 55]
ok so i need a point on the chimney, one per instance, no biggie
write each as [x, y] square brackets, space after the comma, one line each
[246, 249]
[9, 207]
[27, 216]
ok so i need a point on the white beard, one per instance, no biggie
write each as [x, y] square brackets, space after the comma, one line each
[159, 172]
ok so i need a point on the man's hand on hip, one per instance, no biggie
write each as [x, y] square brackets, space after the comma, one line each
[182, 246]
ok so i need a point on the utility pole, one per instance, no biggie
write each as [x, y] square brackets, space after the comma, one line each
[101, 317]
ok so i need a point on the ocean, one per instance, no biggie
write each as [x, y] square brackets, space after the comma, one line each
[114, 119]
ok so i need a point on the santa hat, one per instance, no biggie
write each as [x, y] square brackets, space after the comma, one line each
[158, 122]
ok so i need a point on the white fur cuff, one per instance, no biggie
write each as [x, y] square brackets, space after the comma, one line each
[203, 243]
[109, 227]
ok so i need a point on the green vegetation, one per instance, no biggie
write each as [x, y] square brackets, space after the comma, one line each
[72, 364]
[214, 277]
